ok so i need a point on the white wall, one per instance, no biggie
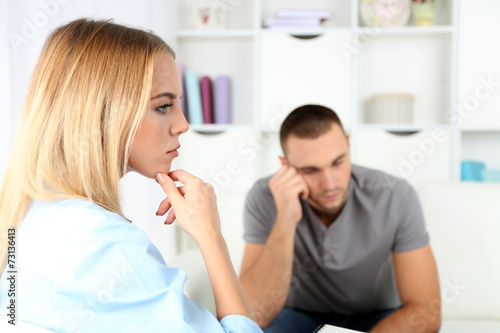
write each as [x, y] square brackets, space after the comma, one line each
[6, 122]
[24, 26]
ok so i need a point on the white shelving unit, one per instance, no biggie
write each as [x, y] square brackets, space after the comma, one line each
[344, 64]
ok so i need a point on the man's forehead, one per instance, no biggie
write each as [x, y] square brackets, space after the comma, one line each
[334, 137]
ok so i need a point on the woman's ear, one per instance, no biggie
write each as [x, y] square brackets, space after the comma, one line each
[283, 160]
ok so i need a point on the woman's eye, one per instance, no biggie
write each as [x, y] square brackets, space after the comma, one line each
[163, 108]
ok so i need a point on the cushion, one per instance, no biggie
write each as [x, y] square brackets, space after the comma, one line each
[463, 219]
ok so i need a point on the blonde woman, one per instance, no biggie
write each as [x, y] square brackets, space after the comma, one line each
[103, 100]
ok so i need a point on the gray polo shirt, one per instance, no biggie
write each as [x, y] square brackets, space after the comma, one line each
[347, 267]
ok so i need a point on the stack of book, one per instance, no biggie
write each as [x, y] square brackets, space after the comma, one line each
[297, 19]
[205, 101]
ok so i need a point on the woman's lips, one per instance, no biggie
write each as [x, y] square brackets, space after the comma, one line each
[173, 152]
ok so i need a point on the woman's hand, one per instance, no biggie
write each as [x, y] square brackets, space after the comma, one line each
[194, 205]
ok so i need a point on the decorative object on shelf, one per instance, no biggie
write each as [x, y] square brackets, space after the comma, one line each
[208, 15]
[490, 175]
[385, 13]
[222, 103]
[423, 11]
[297, 19]
[473, 171]
[476, 171]
[390, 109]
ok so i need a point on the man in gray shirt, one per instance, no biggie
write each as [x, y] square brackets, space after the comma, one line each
[330, 242]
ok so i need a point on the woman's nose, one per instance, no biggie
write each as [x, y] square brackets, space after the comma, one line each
[180, 123]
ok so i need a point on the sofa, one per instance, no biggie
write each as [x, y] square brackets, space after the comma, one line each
[463, 220]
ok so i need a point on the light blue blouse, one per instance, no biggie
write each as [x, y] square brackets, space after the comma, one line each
[81, 268]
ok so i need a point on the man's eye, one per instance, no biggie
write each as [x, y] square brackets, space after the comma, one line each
[163, 108]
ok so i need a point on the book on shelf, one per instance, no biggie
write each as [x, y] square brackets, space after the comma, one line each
[183, 104]
[193, 97]
[208, 102]
[206, 99]
[273, 22]
[222, 101]
[297, 19]
[322, 14]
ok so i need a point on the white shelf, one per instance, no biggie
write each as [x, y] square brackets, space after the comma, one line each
[406, 30]
[215, 33]
[401, 127]
[305, 32]
[493, 129]
[363, 30]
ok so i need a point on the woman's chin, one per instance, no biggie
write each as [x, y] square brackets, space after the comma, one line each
[150, 173]
[160, 170]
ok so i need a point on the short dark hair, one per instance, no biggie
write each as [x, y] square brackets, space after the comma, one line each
[308, 121]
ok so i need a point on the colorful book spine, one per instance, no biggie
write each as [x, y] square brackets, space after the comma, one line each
[206, 99]
[181, 69]
[193, 97]
[222, 100]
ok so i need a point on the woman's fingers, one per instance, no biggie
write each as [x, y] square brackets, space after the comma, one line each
[168, 186]
[181, 176]
[165, 205]
[194, 205]
[170, 217]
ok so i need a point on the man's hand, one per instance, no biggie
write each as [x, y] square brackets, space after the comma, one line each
[286, 186]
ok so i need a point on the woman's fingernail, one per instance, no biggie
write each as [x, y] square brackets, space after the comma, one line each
[160, 178]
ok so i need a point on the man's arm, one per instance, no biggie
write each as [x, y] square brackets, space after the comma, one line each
[266, 275]
[267, 268]
[418, 286]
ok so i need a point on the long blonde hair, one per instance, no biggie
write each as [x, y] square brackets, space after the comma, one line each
[87, 97]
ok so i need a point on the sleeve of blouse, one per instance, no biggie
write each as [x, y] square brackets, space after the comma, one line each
[112, 278]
